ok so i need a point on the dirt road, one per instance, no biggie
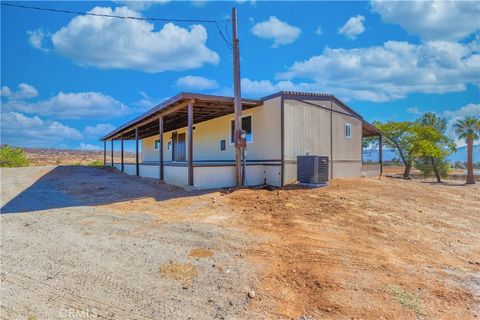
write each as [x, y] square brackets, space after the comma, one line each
[64, 252]
[79, 239]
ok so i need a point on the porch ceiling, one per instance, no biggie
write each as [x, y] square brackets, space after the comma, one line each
[369, 130]
[175, 114]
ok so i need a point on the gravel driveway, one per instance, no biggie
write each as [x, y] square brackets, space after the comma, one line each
[73, 248]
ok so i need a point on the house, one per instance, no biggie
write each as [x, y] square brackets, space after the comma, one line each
[188, 139]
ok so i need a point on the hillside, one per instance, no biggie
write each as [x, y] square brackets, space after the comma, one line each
[44, 156]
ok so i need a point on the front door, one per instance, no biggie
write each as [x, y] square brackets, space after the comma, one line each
[179, 147]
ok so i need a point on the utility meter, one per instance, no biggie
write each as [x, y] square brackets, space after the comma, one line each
[241, 139]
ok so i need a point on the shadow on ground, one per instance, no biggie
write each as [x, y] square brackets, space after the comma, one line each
[69, 186]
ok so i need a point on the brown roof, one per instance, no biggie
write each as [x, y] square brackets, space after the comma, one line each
[206, 107]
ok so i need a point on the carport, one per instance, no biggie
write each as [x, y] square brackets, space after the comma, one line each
[183, 110]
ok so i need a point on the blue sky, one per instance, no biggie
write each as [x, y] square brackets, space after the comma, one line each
[67, 80]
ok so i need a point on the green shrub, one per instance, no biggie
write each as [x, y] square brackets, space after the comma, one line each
[96, 163]
[12, 157]
[425, 166]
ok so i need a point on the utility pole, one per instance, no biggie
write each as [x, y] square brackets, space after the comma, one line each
[237, 98]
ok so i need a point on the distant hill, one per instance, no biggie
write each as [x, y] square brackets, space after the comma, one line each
[46, 156]
[460, 155]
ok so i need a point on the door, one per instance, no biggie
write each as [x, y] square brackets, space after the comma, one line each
[179, 147]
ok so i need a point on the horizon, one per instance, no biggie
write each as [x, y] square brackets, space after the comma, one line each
[69, 79]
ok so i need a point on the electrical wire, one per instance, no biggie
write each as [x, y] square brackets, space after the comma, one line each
[112, 15]
[216, 22]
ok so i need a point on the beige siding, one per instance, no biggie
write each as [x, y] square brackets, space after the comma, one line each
[178, 176]
[207, 136]
[224, 176]
[370, 170]
[337, 107]
[346, 148]
[307, 130]
[346, 169]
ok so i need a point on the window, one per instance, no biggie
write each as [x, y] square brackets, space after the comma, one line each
[222, 145]
[348, 130]
[246, 126]
[157, 144]
[169, 145]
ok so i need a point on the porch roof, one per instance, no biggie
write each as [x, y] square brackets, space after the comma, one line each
[175, 114]
[369, 130]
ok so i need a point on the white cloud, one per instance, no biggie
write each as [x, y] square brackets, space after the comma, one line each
[274, 29]
[20, 130]
[196, 83]
[391, 71]
[37, 37]
[413, 110]
[353, 27]
[99, 130]
[432, 20]
[25, 91]
[132, 44]
[199, 3]
[252, 2]
[64, 105]
[319, 31]
[88, 146]
[147, 102]
[470, 109]
[141, 5]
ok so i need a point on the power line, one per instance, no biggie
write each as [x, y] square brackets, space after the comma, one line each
[228, 43]
[112, 15]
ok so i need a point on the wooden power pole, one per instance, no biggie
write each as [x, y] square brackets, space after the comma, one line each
[237, 98]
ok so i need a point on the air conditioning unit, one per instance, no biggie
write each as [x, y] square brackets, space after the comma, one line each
[312, 171]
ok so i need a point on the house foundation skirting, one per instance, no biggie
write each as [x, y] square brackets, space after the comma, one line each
[208, 175]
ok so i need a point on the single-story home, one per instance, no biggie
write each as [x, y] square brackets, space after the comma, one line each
[188, 140]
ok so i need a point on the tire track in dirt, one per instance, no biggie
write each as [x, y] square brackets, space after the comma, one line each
[64, 298]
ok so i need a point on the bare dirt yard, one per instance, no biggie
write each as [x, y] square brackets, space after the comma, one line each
[81, 242]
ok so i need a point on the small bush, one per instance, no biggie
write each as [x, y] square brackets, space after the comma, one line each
[406, 299]
[12, 157]
[96, 163]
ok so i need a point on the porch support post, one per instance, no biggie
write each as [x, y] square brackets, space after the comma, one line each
[380, 152]
[104, 152]
[137, 167]
[112, 152]
[160, 146]
[190, 143]
[121, 152]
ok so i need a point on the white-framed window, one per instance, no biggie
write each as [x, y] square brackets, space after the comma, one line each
[157, 145]
[348, 130]
[247, 126]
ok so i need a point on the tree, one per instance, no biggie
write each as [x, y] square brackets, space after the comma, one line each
[468, 129]
[400, 137]
[432, 146]
[12, 157]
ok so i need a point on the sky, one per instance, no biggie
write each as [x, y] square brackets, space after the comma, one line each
[68, 79]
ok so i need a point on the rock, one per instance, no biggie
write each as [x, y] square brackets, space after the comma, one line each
[251, 294]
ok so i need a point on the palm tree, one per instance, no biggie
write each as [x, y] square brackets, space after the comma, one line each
[468, 129]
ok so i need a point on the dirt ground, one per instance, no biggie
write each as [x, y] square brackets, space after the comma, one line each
[93, 242]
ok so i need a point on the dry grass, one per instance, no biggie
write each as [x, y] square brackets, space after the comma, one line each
[200, 253]
[183, 272]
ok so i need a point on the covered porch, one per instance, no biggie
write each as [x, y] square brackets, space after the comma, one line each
[372, 168]
[185, 110]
